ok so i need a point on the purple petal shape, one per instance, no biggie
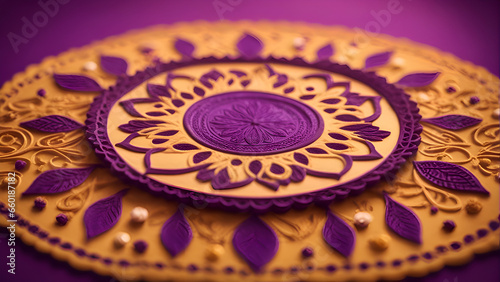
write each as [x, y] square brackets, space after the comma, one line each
[159, 141]
[301, 158]
[337, 146]
[187, 96]
[178, 103]
[255, 167]
[453, 122]
[316, 151]
[167, 133]
[198, 91]
[222, 181]
[199, 157]
[347, 118]
[449, 176]
[338, 136]
[402, 220]
[53, 124]
[103, 214]
[339, 235]
[307, 97]
[331, 101]
[137, 125]
[249, 46]
[156, 90]
[58, 180]
[176, 234]
[256, 242]
[114, 65]
[418, 79]
[377, 60]
[77, 83]
[185, 147]
[184, 47]
[325, 52]
[156, 114]
[277, 169]
[298, 173]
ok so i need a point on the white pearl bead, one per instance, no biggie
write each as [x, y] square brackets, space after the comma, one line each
[398, 62]
[423, 97]
[122, 238]
[90, 66]
[362, 219]
[496, 113]
[139, 214]
[299, 43]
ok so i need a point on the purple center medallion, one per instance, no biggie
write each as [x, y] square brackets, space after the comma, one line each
[253, 123]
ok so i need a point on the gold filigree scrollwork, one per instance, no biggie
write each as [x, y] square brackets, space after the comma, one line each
[433, 196]
[441, 144]
[294, 225]
[15, 141]
[76, 199]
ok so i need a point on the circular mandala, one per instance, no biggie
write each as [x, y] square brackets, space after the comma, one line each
[252, 123]
[260, 134]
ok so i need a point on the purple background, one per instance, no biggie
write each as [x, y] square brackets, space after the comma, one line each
[468, 30]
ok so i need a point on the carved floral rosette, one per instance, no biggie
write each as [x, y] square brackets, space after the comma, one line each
[166, 134]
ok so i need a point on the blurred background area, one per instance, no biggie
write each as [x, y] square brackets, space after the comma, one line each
[467, 29]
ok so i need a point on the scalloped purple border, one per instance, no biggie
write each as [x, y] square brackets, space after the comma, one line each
[408, 141]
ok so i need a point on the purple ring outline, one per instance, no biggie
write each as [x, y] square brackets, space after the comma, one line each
[407, 145]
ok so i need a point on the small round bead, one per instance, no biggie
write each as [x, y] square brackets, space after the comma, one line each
[41, 92]
[139, 214]
[140, 246]
[62, 219]
[423, 97]
[40, 202]
[474, 100]
[496, 113]
[434, 210]
[20, 164]
[362, 219]
[307, 252]
[214, 252]
[398, 62]
[449, 225]
[299, 43]
[90, 66]
[380, 242]
[473, 206]
[121, 239]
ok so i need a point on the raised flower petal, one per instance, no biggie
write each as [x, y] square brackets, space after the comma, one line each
[402, 220]
[339, 235]
[184, 47]
[58, 180]
[103, 214]
[77, 83]
[114, 65]
[256, 242]
[325, 52]
[176, 233]
[52, 124]
[249, 46]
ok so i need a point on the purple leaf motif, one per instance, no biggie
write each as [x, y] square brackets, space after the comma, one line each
[52, 123]
[176, 234]
[249, 46]
[184, 47]
[339, 235]
[114, 65]
[325, 52]
[77, 83]
[156, 90]
[418, 79]
[449, 176]
[58, 180]
[402, 220]
[453, 122]
[256, 242]
[377, 60]
[103, 214]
